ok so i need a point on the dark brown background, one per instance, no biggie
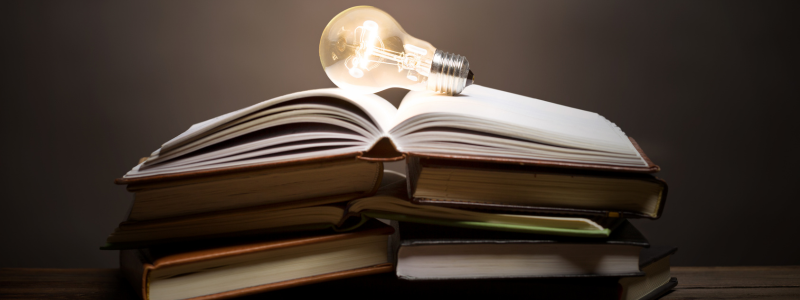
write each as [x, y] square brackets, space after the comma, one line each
[708, 88]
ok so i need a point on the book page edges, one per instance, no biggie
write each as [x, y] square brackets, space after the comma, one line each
[604, 233]
[377, 269]
[232, 213]
[231, 170]
[414, 169]
[651, 167]
[662, 198]
[475, 205]
[133, 225]
[136, 270]
[384, 150]
[373, 105]
[247, 233]
[202, 255]
[377, 185]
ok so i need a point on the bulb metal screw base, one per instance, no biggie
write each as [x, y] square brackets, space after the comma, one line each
[450, 73]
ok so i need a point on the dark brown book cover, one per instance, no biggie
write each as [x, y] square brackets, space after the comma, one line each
[137, 264]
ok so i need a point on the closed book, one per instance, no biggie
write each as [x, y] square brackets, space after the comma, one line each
[390, 287]
[390, 202]
[428, 252]
[297, 184]
[654, 284]
[534, 189]
[226, 270]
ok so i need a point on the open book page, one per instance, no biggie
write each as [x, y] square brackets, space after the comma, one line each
[485, 121]
[296, 126]
[280, 142]
[295, 116]
[380, 111]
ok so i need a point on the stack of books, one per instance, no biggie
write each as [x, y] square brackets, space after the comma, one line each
[504, 194]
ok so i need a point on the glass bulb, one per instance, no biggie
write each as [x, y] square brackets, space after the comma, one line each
[364, 49]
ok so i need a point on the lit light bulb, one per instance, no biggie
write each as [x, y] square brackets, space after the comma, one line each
[364, 49]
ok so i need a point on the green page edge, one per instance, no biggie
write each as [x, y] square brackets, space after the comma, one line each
[489, 226]
[366, 215]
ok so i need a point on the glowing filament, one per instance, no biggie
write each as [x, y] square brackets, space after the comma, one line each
[371, 51]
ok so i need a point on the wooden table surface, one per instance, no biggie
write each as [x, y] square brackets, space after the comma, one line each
[781, 282]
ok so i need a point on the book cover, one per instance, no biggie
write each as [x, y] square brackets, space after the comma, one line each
[231, 269]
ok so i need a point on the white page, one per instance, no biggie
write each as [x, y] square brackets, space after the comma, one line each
[264, 120]
[243, 129]
[553, 123]
[306, 133]
[380, 111]
[252, 157]
[136, 172]
[309, 109]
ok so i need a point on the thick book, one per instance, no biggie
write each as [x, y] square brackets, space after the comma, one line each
[390, 202]
[330, 143]
[611, 288]
[428, 252]
[481, 124]
[534, 189]
[290, 185]
[389, 287]
[230, 270]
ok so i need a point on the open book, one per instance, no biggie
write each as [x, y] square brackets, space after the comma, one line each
[481, 124]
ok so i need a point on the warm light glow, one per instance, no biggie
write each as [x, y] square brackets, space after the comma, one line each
[365, 49]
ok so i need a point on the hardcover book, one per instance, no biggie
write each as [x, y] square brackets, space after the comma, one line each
[390, 202]
[219, 271]
[481, 124]
[656, 284]
[285, 186]
[532, 189]
[326, 146]
[429, 252]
